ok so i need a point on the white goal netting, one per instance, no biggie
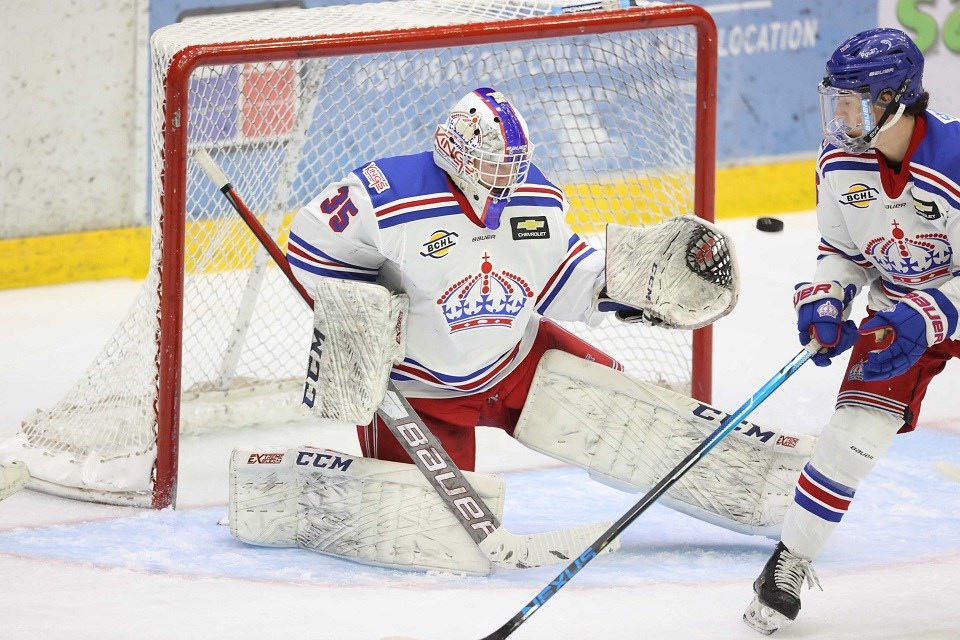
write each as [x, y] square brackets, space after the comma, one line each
[289, 100]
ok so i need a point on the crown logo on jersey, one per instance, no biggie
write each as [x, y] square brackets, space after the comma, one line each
[856, 372]
[911, 260]
[484, 299]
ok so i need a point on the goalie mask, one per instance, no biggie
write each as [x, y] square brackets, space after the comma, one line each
[484, 146]
[863, 68]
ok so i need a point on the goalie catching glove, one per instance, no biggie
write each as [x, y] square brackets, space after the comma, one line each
[358, 334]
[681, 274]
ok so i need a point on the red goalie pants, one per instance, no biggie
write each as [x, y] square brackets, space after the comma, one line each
[901, 395]
[453, 420]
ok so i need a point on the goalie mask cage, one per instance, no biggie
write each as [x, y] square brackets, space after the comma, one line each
[621, 106]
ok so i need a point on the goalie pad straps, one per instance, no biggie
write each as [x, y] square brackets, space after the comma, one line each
[359, 332]
[630, 434]
[370, 511]
[681, 273]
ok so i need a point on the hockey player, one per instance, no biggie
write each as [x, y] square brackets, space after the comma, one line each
[475, 235]
[888, 209]
[440, 270]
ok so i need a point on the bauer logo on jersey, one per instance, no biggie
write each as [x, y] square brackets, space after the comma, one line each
[376, 180]
[487, 298]
[439, 244]
[859, 195]
[530, 228]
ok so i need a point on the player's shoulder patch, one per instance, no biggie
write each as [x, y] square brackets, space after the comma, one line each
[942, 117]
[390, 178]
[375, 177]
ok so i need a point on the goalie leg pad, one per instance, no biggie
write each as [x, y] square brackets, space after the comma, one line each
[630, 434]
[370, 511]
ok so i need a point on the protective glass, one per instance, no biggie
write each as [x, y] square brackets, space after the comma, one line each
[846, 118]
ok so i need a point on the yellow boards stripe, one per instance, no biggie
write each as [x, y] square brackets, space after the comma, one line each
[745, 191]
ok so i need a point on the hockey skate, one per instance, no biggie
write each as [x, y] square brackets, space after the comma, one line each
[777, 588]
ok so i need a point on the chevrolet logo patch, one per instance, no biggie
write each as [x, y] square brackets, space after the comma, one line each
[530, 228]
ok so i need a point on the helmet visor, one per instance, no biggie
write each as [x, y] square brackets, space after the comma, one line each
[846, 118]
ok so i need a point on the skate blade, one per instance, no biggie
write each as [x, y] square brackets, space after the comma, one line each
[763, 619]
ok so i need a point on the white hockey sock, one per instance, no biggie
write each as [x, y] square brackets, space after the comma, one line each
[846, 451]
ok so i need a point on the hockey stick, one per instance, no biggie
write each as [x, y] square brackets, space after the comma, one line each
[608, 536]
[501, 547]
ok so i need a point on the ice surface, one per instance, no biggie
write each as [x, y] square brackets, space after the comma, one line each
[77, 570]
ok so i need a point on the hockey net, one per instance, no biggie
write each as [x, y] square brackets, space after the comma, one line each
[620, 106]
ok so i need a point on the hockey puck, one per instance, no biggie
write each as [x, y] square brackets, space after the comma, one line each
[771, 225]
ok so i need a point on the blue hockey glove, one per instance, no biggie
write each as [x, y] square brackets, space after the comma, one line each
[820, 315]
[903, 332]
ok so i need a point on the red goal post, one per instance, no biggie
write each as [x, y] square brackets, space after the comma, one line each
[266, 101]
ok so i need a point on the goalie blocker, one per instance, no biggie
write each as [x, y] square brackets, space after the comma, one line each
[359, 332]
[629, 434]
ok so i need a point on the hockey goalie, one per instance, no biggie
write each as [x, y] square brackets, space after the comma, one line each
[442, 272]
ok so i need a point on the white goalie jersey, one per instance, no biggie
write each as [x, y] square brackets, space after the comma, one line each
[473, 291]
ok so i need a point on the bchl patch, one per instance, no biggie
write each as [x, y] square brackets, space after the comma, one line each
[439, 244]
[859, 195]
[530, 228]
[828, 310]
[376, 179]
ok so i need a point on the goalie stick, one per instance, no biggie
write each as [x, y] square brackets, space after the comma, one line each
[501, 547]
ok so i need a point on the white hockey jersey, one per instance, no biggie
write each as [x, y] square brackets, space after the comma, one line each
[893, 231]
[475, 293]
